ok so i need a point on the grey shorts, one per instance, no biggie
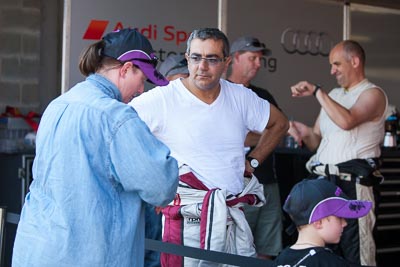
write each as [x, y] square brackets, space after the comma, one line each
[266, 222]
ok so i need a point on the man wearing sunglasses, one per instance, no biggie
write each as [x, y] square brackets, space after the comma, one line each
[266, 222]
[204, 120]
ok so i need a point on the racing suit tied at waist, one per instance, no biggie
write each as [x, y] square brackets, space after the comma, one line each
[210, 218]
[361, 171]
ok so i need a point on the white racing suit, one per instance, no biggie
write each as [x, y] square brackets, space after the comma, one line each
[209, 219]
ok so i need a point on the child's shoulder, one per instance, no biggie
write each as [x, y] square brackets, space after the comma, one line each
[314, 256]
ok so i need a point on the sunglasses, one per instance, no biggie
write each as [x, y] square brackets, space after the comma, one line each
[256, 44]
[212, 61]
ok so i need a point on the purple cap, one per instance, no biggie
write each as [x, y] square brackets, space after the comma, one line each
[130, 45]
[314, 199]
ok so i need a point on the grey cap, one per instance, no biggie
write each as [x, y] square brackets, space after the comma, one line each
[174, 64]
[248, 43]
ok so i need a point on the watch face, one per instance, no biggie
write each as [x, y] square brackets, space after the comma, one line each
[254, 163]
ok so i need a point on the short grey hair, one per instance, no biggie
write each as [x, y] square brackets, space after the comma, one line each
[209, 33]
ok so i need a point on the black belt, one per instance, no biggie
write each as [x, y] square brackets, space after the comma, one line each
[361, 171]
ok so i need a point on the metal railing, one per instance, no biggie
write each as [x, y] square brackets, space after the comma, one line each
[3, 215]
[154, 245]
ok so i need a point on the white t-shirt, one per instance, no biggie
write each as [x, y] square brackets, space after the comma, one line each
[209, 138]
[338, 145]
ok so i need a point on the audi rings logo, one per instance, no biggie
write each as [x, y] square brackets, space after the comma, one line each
[303, 42]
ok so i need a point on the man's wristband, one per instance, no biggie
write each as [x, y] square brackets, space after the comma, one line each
[317, 87]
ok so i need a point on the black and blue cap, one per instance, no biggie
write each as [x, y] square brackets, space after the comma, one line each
[314, 199]
[130, 45]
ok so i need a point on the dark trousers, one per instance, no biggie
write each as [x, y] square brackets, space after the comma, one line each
[349, 246]
[153, 229]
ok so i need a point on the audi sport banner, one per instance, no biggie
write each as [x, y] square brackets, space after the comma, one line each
[167, 24]
[300, 34]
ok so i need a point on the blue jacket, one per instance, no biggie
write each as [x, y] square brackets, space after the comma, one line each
[96, 162]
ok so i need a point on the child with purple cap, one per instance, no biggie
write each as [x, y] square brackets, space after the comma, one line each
[318, 208]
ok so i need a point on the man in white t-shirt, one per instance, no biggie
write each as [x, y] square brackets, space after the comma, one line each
[204, 119]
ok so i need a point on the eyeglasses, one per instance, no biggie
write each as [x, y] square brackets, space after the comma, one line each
[212, 61]
[256, 44]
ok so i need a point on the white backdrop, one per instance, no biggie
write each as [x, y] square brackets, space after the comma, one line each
[378, 31]
[167, 23]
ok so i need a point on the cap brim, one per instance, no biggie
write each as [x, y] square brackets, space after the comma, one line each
[152, 74]
[137, 57]
[340, 207]
[264, 51]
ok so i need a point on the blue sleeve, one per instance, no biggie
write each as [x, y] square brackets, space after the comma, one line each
[143, 164]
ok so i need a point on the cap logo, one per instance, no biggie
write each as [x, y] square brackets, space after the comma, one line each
[338, 191]
[356, 206]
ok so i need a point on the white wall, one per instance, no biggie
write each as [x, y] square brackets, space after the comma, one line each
[378, 31]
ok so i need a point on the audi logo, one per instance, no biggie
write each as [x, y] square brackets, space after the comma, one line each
[303, 42]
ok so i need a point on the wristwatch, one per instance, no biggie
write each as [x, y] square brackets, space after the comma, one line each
[253, 162]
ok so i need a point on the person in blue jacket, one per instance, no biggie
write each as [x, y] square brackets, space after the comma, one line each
[96, 165]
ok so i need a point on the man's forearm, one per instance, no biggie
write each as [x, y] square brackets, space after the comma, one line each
[252, 139]
[270, 138]
[312, 141]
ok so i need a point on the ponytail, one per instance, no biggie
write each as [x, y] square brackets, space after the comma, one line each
[90, 60]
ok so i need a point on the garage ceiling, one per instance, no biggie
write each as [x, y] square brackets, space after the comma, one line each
[381, 3]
